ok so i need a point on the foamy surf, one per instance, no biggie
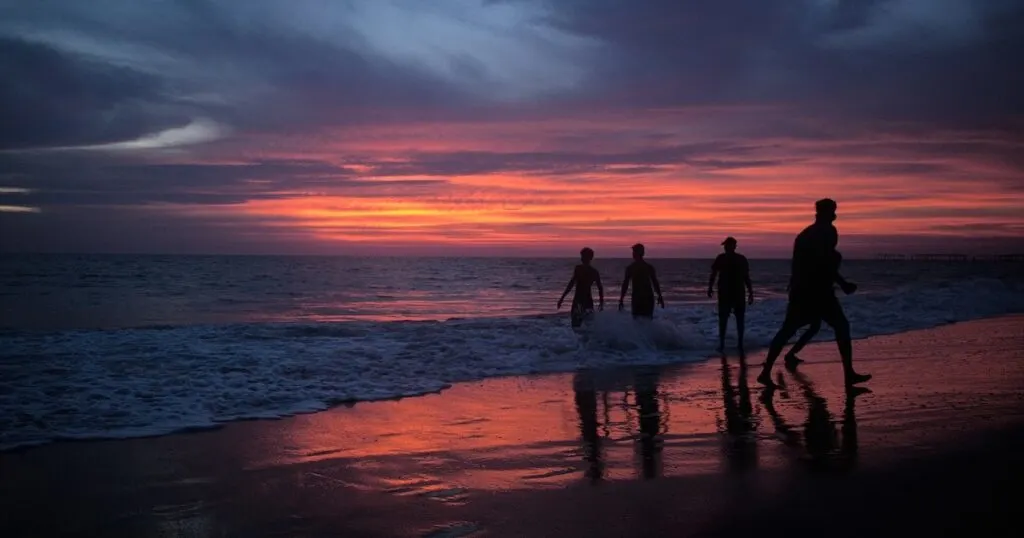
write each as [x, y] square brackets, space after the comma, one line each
[149, 381]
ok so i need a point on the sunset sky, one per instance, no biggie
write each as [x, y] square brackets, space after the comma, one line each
[509, 127]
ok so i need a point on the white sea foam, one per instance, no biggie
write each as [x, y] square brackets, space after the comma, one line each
[137, 382]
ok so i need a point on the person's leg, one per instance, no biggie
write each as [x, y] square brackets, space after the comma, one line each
[741, 314]
[805, 338]
[790, 326]
[643, 307]
[791, 358]
[579, 306]
[836, 319]
[723, 324]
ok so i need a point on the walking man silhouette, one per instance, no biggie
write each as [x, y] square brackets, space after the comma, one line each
[733, 273]
[811, 294]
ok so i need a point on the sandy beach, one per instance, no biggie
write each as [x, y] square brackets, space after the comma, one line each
[688, 450]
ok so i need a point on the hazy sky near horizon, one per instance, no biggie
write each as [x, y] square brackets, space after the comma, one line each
[509, 126]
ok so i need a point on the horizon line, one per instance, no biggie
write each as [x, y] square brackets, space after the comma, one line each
[880, 256]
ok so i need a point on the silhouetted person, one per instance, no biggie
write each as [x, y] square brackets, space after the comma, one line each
[733, 273]
[586, 407]
[792, 359]
[650, 424]
[811, 294]
[741, 447]
[584, 276]
[645, 285]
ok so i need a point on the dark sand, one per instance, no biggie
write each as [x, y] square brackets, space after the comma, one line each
[682, 451]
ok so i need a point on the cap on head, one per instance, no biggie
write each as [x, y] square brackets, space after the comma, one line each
[587, 254]
[729, 241]
[638, 249]
[825, 206]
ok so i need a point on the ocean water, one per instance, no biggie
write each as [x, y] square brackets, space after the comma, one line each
[123, 346]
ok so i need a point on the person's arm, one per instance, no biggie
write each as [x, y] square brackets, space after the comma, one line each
[568, 288]
[625, 287]
[714, 274]
[847, 286]
[600, 289]
[835, 260]
[657, 287]
[746, 280]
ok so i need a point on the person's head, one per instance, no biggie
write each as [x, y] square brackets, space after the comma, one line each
[729, 244]
[587, 254]
[825, 210]
[638, 251]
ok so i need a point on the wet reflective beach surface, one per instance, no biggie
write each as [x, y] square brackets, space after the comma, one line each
[624, 452]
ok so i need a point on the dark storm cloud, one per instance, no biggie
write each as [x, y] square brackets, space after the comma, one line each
[106, 71]
[947, 62]
[118, 69]
[51, 98]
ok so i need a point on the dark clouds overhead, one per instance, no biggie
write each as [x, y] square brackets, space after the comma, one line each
[94, 72]
[947, 62]
[87, 84]
[53, 98]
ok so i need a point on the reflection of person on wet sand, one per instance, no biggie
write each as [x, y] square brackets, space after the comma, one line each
[650, 424]
[584, 276]
[732, 270]
[741, 450]
[820, 435]
[790, 437]
[586, 407]
[811, 296]
[645, 284]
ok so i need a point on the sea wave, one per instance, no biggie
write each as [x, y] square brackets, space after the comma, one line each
[87, 384]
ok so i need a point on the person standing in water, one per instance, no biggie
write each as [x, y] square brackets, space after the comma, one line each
[645, 285]
[733, 273]
[584, 276]
[811, 294]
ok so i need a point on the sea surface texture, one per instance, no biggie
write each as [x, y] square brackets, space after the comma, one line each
[124, 346]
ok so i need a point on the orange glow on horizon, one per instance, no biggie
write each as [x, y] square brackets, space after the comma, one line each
[663, 177]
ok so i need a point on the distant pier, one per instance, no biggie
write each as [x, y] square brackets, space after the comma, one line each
[952, 257]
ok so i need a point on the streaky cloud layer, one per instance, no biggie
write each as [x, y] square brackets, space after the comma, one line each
[509, 127]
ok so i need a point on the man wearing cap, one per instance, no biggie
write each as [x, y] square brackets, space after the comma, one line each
[811, 295]
[733, 273]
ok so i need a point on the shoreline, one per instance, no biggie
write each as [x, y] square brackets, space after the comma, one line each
[693, 449]
[756, 350]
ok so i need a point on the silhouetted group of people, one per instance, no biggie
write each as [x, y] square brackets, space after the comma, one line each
[812, 299]
[640, 275]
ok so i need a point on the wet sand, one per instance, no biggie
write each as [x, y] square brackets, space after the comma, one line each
[692, 450]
